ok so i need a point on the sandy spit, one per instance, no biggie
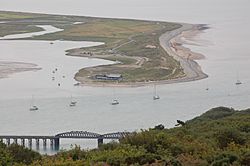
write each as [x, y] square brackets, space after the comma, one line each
[172, 42]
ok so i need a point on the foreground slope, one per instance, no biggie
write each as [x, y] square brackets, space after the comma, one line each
[220, 136]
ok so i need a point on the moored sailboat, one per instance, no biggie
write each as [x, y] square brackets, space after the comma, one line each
[155, 97]
[114, 101]
[33, 107]
[238, 82]
[72, 102]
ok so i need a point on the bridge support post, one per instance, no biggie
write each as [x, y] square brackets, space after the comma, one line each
[30, 143]
[100, 141]
[15, 141]
[44, 143]
[37, 143]
[22, 142]
[57, 143]
[51, 143]
[8, 141]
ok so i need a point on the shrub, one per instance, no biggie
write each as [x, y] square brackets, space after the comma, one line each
[22, 155]
[224, 159]
[229, 135]
[245, 161]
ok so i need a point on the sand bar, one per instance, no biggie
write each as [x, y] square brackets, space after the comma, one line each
[7, 68]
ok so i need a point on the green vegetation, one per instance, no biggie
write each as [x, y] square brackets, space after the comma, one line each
[219, 137]
[13, 26]
[6, 15]
[16, 154]
[134, 43]
[151, 62]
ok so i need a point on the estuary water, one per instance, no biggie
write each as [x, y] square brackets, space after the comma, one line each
[225, 45]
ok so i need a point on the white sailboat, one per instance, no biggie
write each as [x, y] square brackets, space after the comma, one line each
[114, 101]
[33, 107]
[238, 82]
[155, 97]
[72, 102]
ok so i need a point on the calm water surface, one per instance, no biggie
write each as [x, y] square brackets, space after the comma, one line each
[225, 45]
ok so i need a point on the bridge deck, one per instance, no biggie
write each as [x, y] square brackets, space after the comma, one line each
[71, 134]
[26, 137]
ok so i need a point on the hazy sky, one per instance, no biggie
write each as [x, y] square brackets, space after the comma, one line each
[195, 10]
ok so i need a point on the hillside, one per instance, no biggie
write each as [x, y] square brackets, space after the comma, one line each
[221, 136]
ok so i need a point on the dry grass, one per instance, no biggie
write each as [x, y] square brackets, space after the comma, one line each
[110, 29]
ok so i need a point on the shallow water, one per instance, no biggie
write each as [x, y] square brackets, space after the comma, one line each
[225, 45]
[49, 29]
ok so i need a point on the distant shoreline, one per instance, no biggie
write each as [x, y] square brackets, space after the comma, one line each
[148, 52]
[173, 45]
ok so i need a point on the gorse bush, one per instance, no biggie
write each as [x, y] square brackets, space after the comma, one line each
[218, 137]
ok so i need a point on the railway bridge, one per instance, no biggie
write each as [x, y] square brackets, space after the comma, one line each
[55, 140]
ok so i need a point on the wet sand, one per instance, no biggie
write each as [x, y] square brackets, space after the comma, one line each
[173, 45]
[8, 68]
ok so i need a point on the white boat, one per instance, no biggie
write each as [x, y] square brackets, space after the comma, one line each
[238, 82]
[114, 102]
[155, 97]
[33, 106]
[72, 102]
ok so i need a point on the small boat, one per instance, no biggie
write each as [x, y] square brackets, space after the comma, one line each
[155, 97]
[238, 82]
[72, 102]
[114, 102]
[77, 84]
[33, 106]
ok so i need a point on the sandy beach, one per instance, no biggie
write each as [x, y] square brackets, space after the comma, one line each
[173, 45]
[172, 42]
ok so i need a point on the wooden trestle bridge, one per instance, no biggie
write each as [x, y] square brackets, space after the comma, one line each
[55, 140]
